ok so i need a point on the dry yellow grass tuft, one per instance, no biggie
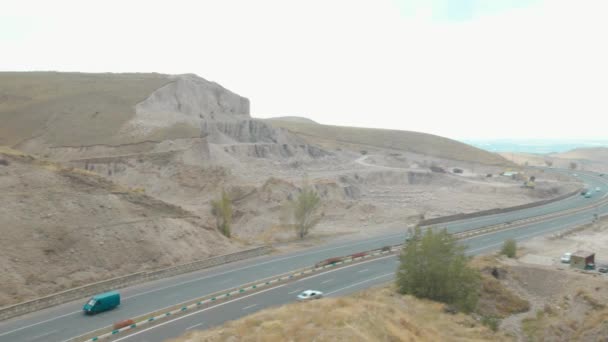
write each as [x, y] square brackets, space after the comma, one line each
[372, 315]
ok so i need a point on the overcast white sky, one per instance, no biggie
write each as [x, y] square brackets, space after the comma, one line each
[457, 68]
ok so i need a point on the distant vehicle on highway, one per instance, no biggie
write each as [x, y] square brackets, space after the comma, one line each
[566, 258]
[589, 194]
[603, 269]
[598, 189]
[102, 302]
[309, 295]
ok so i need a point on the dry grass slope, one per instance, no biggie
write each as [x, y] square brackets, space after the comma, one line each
[73, 109]
[372, 315]
[421, 143]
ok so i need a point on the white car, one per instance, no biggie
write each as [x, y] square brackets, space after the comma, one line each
[598, 189]
[309, 295]
[566, 258]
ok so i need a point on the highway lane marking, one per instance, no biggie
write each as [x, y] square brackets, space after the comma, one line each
[326, 272]
[327, 281]
[249, 307]
[388, 237]
[32, 325]
[43, 335]
[525, 236]
[361, 282]
[294, 291]
[525, 225]
[197, 312]
[260, 264]
[363, 270]
[345, 267]
[226, 281]
[194, 326]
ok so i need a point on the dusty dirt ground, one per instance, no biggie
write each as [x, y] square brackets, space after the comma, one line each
[358, 193]
[566, 304]
[63, 228]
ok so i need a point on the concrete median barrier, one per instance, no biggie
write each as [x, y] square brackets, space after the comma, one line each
[462, 216]
[245, 289]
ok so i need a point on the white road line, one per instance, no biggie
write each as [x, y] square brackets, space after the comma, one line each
[258, 264]
[194, 326]
[226, 281]
[363, 270]
[44, 335]
[525, 236]
[249, 307]
[294, 291]
[361, 282]
[197, 312]
[327, 281]
[35, 324]
[345, 267]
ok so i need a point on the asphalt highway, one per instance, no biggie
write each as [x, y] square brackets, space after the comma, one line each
[67, 321]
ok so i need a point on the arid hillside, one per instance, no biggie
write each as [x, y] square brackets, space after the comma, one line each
[591, 159]
[177, 142]
[598, 154]
[414, 142]
[65, 227]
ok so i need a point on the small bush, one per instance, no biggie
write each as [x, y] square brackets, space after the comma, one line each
[491, 322]
[509, 248]
[4, 162]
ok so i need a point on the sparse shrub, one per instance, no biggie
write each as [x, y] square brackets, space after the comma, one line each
[304, 211]
[573, 165]
[4, 162]
[509, 248]
[222, 210]
[363, 152]
[435, 267]
[491, 322]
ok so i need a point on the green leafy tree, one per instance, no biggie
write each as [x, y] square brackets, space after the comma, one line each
[435, 267]
[222, 210]
[305, 211]
[509, 248]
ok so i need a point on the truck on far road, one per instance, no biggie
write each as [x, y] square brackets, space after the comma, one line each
[102, 302]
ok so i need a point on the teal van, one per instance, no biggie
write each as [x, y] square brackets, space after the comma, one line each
[102, 302]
